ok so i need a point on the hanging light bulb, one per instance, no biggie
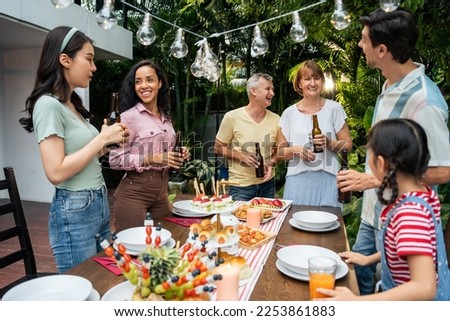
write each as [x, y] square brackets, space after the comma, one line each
[145, 34]
[196, 67]
[106, 18]
[209, 59]
[298, 31]
[389, 5]
[259, 44]
[62, 4]
[340, 19]
[214, 74]
[179, 49]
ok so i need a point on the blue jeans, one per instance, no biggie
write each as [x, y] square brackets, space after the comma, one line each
[75, 219]
[246, 193]
[366, 244]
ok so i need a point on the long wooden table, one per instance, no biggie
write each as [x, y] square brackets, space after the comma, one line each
[272, 285]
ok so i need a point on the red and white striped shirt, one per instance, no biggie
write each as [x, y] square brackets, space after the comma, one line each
[410, 232]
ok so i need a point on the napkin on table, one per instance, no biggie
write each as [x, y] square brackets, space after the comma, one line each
[182, 221]
[109, 264]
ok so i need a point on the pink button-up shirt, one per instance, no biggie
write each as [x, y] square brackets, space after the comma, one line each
[148, 135]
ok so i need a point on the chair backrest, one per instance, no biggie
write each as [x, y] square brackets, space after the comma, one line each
[18, 230]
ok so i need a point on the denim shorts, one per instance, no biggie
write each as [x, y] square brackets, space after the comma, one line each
[75, 219]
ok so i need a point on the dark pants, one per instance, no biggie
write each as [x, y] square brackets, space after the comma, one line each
[138, 193]
[246, 193]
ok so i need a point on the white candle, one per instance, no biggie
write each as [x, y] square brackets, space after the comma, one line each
[228, 287]
[253, 217]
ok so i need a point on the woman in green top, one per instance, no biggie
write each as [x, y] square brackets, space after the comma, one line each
[70, 146]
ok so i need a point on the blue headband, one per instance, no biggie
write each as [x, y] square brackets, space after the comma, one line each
[67, 38]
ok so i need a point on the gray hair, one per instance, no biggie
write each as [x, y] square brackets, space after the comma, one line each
[252, 82]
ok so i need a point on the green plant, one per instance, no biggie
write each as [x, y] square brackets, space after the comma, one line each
[199, 169]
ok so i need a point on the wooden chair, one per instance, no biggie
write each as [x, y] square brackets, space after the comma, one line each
[19, 231]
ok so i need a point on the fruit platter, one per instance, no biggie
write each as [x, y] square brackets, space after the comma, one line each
[273, 204]
[162, 273]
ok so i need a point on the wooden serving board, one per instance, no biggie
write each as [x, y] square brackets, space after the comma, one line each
[269, 236]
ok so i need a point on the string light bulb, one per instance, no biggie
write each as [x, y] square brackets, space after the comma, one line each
[62, 4]
[298, 31]
[196, 67]
[389, 5]
[340, 19]
[259, 44]
[106, 18]
[179, 49]
[145, 34]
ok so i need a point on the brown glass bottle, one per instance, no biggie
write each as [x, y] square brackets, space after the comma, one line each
[316, 131]
[344, 197]
[260, 169]
[114, 115]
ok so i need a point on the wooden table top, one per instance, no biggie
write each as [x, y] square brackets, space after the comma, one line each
[272, 285]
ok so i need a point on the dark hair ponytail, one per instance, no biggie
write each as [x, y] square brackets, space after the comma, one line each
[403, 144]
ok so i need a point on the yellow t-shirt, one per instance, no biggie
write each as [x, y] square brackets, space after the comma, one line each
[240, 132]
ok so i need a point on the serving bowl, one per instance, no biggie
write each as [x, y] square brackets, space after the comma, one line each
[295, 257]
[134, 238]
[51, 288]
[315, 219]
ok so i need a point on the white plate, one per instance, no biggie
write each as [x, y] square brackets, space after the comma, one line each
[342, 270]
[94, 296]
[121, 292]
[315, 219]
[297, 225]
[51, 288]
[184, 214]
[227, 209]
[286, 204]
[295, 257]
[134, 238]
[169, 244]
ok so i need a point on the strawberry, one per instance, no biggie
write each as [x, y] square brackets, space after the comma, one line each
[277, 203]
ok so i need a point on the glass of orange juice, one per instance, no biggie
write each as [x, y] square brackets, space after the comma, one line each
[322, 273]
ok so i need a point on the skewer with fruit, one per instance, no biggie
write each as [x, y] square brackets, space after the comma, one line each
[163, 273]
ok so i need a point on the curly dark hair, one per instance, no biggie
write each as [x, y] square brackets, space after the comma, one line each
[127, 94]
[403, 144]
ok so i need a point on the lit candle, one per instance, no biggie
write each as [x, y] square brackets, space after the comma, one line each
[228, 287]
[253, 217]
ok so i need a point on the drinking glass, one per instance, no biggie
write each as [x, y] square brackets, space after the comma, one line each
[322, 274]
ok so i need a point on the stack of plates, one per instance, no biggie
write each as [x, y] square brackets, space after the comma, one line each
[293, 261]
[314, 221]
[183, 208]
[53, 288]
[134, 238]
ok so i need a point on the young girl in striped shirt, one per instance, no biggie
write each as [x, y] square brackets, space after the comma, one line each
[413, 255]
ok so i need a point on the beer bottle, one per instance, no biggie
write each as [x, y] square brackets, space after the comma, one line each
[260, 169]
[316, 131]
[178, 148]
[344, 197]
[114, 116]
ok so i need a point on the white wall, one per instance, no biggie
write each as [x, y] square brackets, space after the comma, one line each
[20, 147]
